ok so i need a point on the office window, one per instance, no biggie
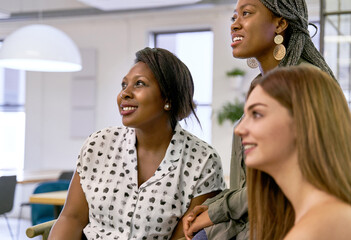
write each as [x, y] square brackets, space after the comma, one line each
[336, 41]
[12, 118]
[195, 49]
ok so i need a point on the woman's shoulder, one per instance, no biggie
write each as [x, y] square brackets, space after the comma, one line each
[196, 143]
[331, 220]
[111, 131]
[186, 136]
[107, 135]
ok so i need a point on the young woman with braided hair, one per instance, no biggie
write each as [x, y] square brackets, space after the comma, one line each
[269, 34]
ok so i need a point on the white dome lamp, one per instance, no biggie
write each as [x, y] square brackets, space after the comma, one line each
[41, 48]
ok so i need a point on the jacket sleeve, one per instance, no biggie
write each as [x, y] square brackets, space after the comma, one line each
[231, 203]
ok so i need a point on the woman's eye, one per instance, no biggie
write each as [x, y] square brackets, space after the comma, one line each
[245, 13]
[139, 83]
[123, 85]
[256, 114]
[233, 19]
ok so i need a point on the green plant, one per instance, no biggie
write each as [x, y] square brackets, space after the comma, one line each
[230, 111]
[236, 72]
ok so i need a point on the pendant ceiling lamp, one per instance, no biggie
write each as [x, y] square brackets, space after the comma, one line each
[41, 48]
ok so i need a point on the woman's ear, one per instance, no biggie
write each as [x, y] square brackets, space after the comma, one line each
[282, 25]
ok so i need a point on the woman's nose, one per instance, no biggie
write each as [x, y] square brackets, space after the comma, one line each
[240, 129]
[235, 26]
[126, 94]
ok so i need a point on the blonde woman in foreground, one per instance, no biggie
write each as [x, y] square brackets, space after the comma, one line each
[296, 134]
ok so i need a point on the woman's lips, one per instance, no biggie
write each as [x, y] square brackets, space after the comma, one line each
[236, 40]
[126, 110]
[248, 148]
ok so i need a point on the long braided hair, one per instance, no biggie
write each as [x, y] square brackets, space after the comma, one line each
[299, 42]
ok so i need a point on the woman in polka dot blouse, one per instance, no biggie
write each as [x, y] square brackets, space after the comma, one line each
[139, 180]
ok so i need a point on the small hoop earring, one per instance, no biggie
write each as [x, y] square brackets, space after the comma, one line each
[279, 50]
[252, 62]
[167, 106]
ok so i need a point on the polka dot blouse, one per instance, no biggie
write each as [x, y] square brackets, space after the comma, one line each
[118, 208]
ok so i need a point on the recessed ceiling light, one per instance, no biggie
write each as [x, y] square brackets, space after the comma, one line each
[109, 5]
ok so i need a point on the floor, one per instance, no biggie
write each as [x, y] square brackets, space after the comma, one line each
[24, 224]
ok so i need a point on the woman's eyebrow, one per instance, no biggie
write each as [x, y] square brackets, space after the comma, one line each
[245, 5]
[256, 104]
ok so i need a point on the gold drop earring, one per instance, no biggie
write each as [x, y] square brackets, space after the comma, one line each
[252, 62]
[279, 50]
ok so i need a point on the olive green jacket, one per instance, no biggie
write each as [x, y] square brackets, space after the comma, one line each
[228, 210]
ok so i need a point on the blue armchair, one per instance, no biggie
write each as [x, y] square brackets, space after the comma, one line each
[40, 212]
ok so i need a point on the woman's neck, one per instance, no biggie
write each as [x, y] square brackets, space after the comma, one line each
[151, 145]
[267, 63]
[302, 195]
[154, 138]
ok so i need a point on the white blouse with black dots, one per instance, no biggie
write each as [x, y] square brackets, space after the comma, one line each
[118, 209]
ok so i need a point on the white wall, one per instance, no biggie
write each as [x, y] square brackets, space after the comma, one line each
[116, 39]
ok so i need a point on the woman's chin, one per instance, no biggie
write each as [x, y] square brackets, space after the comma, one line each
[253, 163]
[238, 55]
[126, 123]
[250, 162]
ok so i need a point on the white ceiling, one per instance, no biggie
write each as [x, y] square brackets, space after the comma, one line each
[20, 8]
[108, 5]
[17, 6]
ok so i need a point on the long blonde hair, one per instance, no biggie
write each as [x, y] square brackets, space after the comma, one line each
[323, 124]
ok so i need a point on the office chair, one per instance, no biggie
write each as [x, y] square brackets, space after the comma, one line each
[7, 195]
[41, 213]
[66, 175]
[43, 229]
